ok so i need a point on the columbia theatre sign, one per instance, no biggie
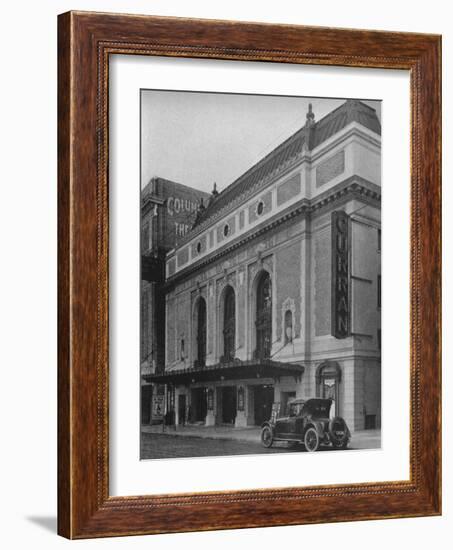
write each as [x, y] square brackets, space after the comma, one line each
[180, 211]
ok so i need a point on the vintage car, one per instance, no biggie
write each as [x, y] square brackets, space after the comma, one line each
[308, 422]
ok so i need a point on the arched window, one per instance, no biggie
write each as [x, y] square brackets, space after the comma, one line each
[229, 324]
[201, 332]
[264, 316]
[288, 326]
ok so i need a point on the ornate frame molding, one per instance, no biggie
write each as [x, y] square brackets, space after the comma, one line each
[85, 41]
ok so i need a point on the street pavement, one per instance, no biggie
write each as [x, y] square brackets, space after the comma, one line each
[200, 441]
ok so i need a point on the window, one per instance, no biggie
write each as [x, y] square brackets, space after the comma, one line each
[226, 230]
[183, 353]
[295, 408]
[229, 324]
[260, 208]
[198, 247]
[201, 332]
[288, 327]
[264, 316]
[379, 291]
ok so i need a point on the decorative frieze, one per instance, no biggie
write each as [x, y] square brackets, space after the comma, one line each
[263, 205]
[199, 246]
[226, 230]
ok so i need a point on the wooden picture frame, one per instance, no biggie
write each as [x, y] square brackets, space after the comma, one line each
[85, 42]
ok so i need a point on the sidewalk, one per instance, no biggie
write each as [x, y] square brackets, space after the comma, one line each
[363, 439]
[251, 433]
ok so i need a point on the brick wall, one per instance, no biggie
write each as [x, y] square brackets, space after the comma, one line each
[288, 266]
[322, 281]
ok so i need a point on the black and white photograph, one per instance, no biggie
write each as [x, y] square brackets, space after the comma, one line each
[260, 289]
[218, 332]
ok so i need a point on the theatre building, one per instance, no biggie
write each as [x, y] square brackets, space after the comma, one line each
[275, 291]
[168, 211]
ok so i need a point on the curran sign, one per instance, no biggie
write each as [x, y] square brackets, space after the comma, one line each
[341, 311]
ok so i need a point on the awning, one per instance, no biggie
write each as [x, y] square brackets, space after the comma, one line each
[234, 370]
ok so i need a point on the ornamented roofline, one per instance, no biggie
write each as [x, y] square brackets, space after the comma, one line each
[231, 206]
[307, 138]
[356, 186]
[303, 156]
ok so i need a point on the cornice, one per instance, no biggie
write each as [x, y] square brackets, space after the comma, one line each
[353, 187]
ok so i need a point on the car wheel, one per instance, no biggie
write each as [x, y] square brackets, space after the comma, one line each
[266, 437]
[311, 440]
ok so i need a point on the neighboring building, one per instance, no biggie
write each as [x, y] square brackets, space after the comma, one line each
[275, 292]
[168, 211]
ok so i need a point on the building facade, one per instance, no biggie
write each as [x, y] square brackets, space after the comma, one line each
[168, 211]
[275, 291]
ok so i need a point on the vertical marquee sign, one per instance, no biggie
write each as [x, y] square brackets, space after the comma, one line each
[341, 300]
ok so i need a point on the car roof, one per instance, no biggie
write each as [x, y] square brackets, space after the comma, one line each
[296, 401]
[299, 400]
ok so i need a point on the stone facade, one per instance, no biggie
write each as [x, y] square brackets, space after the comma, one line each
[280, 234]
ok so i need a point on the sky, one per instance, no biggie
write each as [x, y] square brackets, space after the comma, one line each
[198, 138]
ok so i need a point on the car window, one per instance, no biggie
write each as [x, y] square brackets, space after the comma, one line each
[295, 408]
[318, 408]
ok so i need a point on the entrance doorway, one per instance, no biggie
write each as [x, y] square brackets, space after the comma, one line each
[199, 405]
[328, 378]
[263, 400]
[228, 404]
[329, 390]
[147, 394]
[181, 409]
